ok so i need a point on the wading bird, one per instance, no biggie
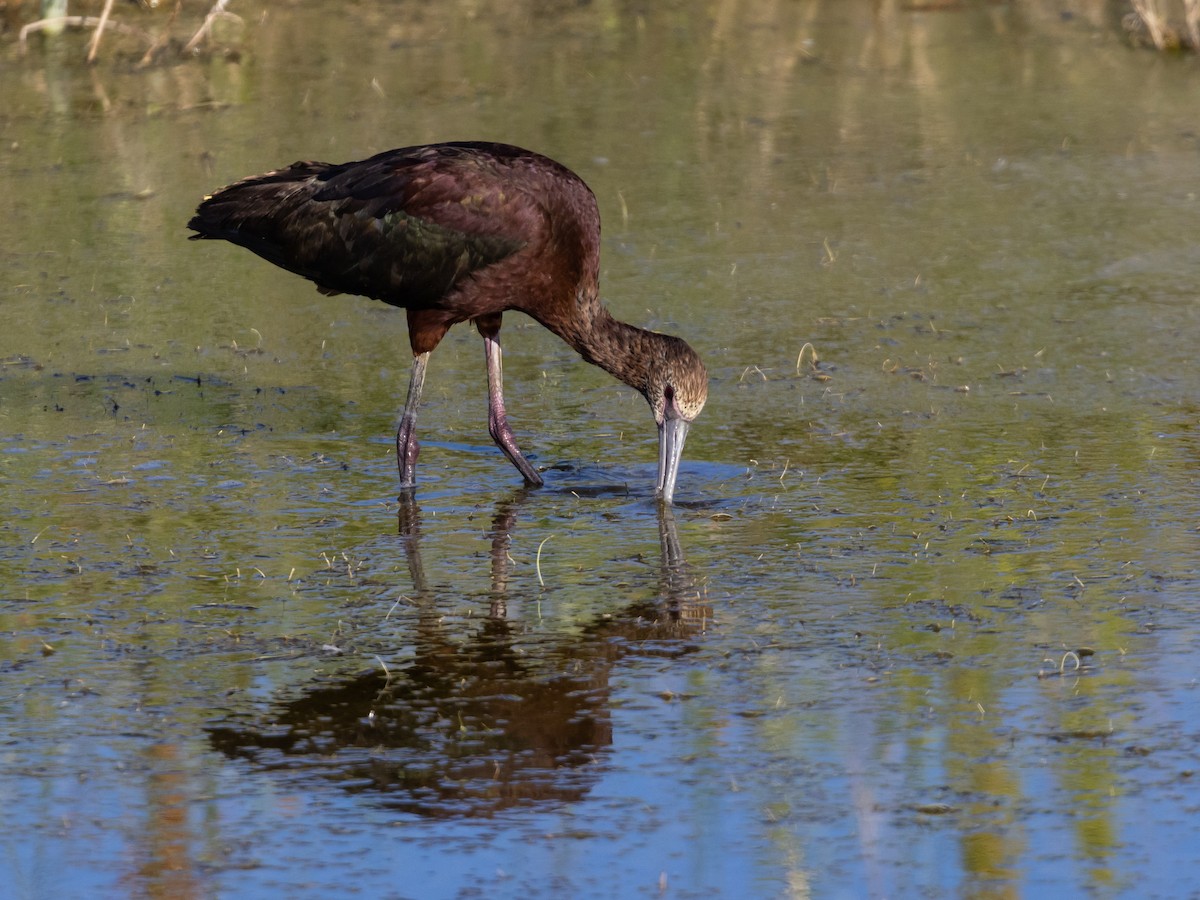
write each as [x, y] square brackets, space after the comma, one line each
[455, 232]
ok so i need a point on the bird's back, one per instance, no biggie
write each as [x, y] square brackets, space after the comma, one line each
[406, 226]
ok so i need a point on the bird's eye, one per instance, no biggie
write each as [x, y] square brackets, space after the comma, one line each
[668, 393]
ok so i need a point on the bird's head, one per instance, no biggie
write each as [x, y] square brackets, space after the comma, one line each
[676, 389]
[677, 386]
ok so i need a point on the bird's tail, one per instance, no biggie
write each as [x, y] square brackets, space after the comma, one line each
[251, 212]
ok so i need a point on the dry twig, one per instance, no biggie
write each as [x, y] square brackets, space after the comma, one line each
[95, 43]
[1147, 11]
[73, 22]
[1163, 33]
[218, 11]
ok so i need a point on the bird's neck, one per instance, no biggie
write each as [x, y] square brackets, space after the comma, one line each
[620, 349]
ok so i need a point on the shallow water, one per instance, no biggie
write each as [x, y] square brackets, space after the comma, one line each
[923, 619]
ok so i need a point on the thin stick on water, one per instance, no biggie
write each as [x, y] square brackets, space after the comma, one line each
[800, 359]
[72, 22]
[215, 13]
[95, 44]
[538, 562]
[163, 39]
[1148, 12]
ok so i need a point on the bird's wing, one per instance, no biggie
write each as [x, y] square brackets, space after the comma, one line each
[404, 227]
[415, 225]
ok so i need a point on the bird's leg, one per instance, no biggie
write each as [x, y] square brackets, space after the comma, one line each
[497, 418]
[407, 447]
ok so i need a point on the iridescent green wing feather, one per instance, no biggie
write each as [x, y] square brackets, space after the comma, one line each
[403, 227]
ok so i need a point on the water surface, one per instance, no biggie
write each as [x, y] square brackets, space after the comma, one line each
[922, 622]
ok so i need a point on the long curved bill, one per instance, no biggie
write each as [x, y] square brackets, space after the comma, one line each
[671, 435]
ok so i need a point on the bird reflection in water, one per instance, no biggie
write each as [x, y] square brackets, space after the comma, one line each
[472, 726]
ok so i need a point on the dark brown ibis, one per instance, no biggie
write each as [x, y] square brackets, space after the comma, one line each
[455, 232]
